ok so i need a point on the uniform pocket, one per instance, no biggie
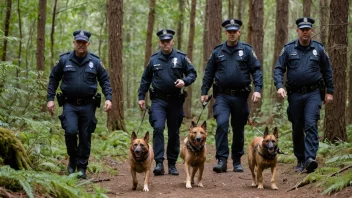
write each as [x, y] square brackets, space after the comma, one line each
[294, 61]
[157, 70]
[69, 73]
[241, 61]
[314, 63]
[90, 76]
[92, 125]
[63, 121]
[177, 70]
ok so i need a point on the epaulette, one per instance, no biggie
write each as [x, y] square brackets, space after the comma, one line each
[65, 53]
[218, 46]
[314, 41]
[246, 44]
[291, 42]
[96, 56]
[154, 54]
[178, 51]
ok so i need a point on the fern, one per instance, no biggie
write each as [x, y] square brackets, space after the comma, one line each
[335, 184]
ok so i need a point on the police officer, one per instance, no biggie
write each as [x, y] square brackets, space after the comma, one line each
[308, 73]
[79, 71]
[231, 64]
[169, 71]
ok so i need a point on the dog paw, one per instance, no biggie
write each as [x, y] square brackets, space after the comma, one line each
[134, 188]
[274, 187]
[200, 185]
[188, 185]
[260, 187]
[146, 189]
[254, 184]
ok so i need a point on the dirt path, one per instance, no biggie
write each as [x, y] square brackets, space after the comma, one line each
[227, 184]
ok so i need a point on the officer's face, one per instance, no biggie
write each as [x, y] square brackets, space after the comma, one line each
[304, 34]
[166, 46]
[81, 47]
[232, 36]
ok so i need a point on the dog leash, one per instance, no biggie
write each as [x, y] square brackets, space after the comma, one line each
[254, 126]
[204, 105]
[145, 111]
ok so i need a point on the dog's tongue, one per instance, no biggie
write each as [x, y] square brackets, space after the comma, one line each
[138, 155]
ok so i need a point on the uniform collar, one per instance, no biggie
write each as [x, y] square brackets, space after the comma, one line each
[86, 59]
[161, 56]
[239, 46]
[297, 45]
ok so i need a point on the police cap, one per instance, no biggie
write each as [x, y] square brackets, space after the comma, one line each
[165, 34]
[232, 24]
[305, 22]
[81, 35]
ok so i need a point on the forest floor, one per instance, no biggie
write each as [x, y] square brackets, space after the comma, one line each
[228, 184]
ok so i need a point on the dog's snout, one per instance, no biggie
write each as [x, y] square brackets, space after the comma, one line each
[198, 139]
[138, 150]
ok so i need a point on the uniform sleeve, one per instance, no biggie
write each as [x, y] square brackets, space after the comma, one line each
[54, 80]
[104, 81]
[326, 70]
[255, 71]
[280, 69]
[209, 74]
[190, 72]
[145, 81]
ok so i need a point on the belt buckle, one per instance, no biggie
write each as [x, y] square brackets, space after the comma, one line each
[79, 101]
[233, 92]
[304, 89]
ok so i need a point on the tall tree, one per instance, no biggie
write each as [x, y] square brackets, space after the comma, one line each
[231, 8]
[257, 41]
[324, 15]
[335, 123]
[41, 36]
[21, 36]
[181, 7]
[239, 9]
[307, 4]
[214, 34]
[206, 49]
[52, 34]
[188, 102]
[115, 22]
[281, 35]
[7, 28]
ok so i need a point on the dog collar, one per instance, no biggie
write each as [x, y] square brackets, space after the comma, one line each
[193, 148]
[269, 155]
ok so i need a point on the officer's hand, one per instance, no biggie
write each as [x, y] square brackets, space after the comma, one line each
[328, 98]
[281, 93]
[51, 107]
[179, 83]
[141, 104]
[107, 105]
[256, 96]
[203, 99]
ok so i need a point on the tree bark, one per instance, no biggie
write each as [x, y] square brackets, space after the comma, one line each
[206, 49]
[335, 124]
[307, 4]
[324, 16]
[231, 8]
[214, 34]
[21, 36]
[52, 35]
[187, 108]
[239, 9]
[7, 28]
[41, 36]
[181, 7]
[115, 22]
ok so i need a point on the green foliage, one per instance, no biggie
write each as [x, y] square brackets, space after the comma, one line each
[334, 184]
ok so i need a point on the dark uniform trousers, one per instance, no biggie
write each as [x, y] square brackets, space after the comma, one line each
[78, 119]
[304, 112]
[237, 106]
[170, 110]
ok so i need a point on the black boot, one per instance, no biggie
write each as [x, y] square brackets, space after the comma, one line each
[300, 166]
[82, 173]
[221, 166]
[311, 165]
[237, 167]
[159, 169]
[172, 169]
[72, 165]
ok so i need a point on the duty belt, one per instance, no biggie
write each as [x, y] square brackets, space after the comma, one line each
[304, 89]
[234, 92]
[165, 96]
[80, 101]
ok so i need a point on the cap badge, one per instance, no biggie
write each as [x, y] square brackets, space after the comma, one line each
[164, 32]
[232, 22]
[240, 53]
[81, 33]
[91, 64]
[305, 19]
[315, 53]
[174, 61]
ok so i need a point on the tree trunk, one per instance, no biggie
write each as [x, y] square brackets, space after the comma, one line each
[231, 8]
[52, 35]
[115, 21]
[187, 108]
[307, 4]
[181, 6]
[239, 9]
[214, 34]
[206, 49]
[324, 15]
[41, 36]
[21, 37]
[281, 35]
[334, 124]
[7, 28]
[257, 38]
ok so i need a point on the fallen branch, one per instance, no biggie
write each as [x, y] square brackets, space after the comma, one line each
[100, 180]
[341, 170]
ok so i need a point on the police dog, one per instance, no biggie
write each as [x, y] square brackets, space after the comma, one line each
[193, 152]
[141, 156]
[262, 154]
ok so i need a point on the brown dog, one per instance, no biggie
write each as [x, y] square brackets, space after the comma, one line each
[262, 154]
[193, 152]
[141, 156]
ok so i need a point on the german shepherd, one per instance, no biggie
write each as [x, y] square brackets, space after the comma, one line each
[141, 156]
[262, 154]
[193, 152]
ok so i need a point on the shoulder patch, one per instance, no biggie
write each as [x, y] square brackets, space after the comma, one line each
[94, 55]
[188, 60]
[282, 51]
[65, 53]
[102, 65]
[254, 55]
[178, 51]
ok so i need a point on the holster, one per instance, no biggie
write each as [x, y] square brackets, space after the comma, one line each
[322, 90]
[60, 99]
[97, 99]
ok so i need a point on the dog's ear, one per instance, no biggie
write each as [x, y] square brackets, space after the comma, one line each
[204, 125]
[276, 133]
[266, 132]
[146, 137]
[133, 136]
[193, 124]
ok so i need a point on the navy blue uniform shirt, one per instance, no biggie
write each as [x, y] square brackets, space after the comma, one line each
[232, 68]
[79, 80]
[162, 73]
[305, 66]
